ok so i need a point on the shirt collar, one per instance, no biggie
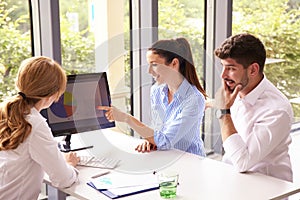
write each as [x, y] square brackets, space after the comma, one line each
[252, 96]
[181, 91]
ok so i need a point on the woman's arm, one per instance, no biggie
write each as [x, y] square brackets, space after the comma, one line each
[114, 114]
[145, 131]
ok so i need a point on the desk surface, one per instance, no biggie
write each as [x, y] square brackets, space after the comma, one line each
[200, 178]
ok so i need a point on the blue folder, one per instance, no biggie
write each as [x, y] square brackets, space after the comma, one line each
[116, 185]
[127, 191]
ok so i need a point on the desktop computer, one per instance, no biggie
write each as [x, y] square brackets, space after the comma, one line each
[76, 110]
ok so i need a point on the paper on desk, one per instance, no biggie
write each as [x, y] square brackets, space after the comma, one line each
[130, 190]
[119, 180]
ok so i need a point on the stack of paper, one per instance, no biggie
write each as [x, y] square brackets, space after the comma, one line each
[115, 185]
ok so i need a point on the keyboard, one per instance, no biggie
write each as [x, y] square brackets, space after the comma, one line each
[98, 162]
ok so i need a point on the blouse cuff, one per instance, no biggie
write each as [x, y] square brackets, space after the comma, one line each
[160, 141]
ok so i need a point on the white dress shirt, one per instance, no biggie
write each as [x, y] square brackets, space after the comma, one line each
[263, 121]
[22, 169]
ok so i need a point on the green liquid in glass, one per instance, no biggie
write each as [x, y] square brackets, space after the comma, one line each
[167, 190]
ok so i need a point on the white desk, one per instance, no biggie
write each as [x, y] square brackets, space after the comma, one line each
[199, 178]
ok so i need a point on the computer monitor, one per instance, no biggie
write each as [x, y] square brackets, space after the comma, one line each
[77, 109]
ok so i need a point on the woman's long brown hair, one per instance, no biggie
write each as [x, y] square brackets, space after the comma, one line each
[38, 77]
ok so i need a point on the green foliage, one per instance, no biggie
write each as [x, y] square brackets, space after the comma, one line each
[78, 50]
[184, 19]
[277, 24]
[79, 7]
[15, 47]
[77, 47]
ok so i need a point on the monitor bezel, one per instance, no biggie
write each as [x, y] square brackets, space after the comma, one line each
[70, 127]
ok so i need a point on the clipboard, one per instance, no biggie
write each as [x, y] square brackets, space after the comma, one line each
[116, 185]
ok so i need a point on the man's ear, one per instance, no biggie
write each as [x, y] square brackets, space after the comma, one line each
[253, 69]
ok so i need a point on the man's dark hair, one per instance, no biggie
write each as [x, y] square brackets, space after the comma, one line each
[245, 49]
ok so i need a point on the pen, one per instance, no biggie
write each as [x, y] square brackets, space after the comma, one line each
[82, 148]
[100, 174]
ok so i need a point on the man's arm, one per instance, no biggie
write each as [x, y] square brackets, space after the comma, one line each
[227, 126]
[224, 100]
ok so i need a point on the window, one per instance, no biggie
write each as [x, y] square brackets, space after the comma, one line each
[95, 38]
[15, 37]
[277, 24]
[184, 19]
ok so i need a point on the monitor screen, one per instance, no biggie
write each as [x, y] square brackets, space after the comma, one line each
[76, 110]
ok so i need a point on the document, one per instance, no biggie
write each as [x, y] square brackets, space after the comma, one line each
[115, 184]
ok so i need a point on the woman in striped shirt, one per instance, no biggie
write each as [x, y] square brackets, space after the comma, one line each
[177, 101]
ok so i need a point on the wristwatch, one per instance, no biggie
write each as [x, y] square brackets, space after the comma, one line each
[221, 112]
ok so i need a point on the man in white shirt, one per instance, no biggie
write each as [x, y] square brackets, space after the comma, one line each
[255, 117]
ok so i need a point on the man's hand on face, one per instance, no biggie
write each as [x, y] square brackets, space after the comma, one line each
[225, 97]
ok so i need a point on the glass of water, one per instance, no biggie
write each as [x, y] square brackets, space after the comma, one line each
[168, 181]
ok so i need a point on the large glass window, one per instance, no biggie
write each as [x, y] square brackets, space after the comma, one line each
[183, 18]
[15, 42]
[277, 24]
[77, 37]
[95, 38]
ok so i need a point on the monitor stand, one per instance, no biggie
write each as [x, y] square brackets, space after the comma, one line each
[65, 145]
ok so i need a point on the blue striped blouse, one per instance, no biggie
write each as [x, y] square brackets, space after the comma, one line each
[177, 125]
